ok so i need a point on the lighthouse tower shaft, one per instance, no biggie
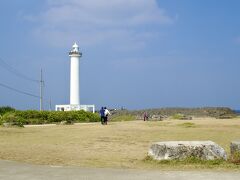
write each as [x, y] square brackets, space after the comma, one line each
[75, 55]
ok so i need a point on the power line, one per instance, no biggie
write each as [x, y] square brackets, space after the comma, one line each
[16, 72]
[11, 69]
[19, 91]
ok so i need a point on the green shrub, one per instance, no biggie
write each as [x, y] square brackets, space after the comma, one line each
[45, 117]
[13, 120]
[94, 117]
[5, 109]
[235, 158]
[32, 114]
[36, 121]
[178, 116]
[1, 121]
[188, 125]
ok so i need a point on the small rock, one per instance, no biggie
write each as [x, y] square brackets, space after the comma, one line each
[63, 123]
[156, 118]
[235, 148]
[7, 124]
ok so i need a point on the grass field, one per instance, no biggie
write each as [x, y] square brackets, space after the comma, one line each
[117, 145]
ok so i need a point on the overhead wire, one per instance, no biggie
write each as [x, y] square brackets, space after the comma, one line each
[19, 91]
[12, 70]
[16, 72]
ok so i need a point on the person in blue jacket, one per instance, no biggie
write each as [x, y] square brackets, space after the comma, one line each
[102, 114]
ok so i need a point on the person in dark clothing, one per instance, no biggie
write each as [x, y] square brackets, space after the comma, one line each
[145, 116]
[102, 114]
[106, 114]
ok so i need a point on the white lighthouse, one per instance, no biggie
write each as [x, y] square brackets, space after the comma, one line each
[75, 55]
[75, 105]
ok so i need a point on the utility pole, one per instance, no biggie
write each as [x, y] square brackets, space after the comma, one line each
[50, 104]
[41, 91]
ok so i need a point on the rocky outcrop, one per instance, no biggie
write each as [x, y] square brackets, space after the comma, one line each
[216, 112]
[179, 150]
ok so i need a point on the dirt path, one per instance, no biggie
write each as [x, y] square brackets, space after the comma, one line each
[12, 170]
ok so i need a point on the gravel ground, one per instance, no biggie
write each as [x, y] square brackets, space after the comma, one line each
[13, 170]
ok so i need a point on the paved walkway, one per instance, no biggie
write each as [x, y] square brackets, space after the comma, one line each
[19, 171]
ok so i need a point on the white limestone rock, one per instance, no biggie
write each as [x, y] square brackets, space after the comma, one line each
[170, 150]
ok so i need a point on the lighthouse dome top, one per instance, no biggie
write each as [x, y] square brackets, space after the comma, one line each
[75, 45]
[75, 50]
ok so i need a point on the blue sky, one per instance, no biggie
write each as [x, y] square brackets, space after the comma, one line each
[136, 53]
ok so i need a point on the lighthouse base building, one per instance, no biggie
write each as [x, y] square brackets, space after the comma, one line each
[70, 107]
[75, 105]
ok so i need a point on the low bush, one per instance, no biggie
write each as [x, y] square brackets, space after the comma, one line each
[181, 117]
[46, 117]
[235, 158]
[11, 119]
[178, 116]
[5, 109]
[188, 125]
[1, 121]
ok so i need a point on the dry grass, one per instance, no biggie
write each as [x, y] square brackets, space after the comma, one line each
[120, 144]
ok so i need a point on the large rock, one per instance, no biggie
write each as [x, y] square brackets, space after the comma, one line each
[235, 148]
[169, 150]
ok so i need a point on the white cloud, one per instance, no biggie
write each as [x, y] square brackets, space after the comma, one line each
[120, 22]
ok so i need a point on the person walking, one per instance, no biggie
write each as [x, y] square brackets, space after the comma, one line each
[145, 116]
[106, 114]
[102, 114]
